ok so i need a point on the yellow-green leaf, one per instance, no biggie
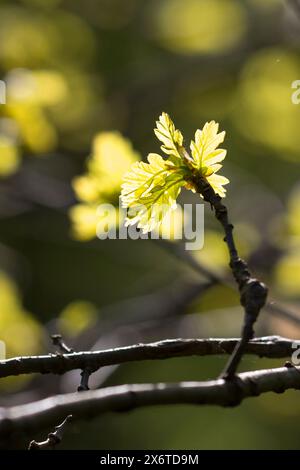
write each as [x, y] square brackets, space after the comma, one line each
[207, 157]
[170, 136]
[204, 149]
[150, 191]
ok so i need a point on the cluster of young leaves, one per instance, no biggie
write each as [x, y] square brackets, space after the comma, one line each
[149, 190]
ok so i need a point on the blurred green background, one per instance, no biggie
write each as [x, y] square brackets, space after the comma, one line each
[79, 70]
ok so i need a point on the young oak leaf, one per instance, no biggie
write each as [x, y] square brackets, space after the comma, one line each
[151, 210]
[171, 138]
[142, 177]
[150, 191]
[207, 157]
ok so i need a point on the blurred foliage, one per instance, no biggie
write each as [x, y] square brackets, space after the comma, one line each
[21, 333]
[214, 253]
[293, 213]
[9, 156]
[287, 270]
[265, 113]
[85, 73]
[46, 58]
[112, 156]
[77, 317]
[174, 25]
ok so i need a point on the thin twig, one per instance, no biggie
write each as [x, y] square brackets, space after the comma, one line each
[54, 438]
[268, 346]
[253, 293]
[40, 414]
[57, 340]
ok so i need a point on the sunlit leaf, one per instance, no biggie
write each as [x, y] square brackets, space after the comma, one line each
[150, 191]
[207, 157]
[171, 138]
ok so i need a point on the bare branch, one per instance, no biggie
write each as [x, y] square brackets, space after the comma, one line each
[268, 346]
[86, 405]
[54, 438]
